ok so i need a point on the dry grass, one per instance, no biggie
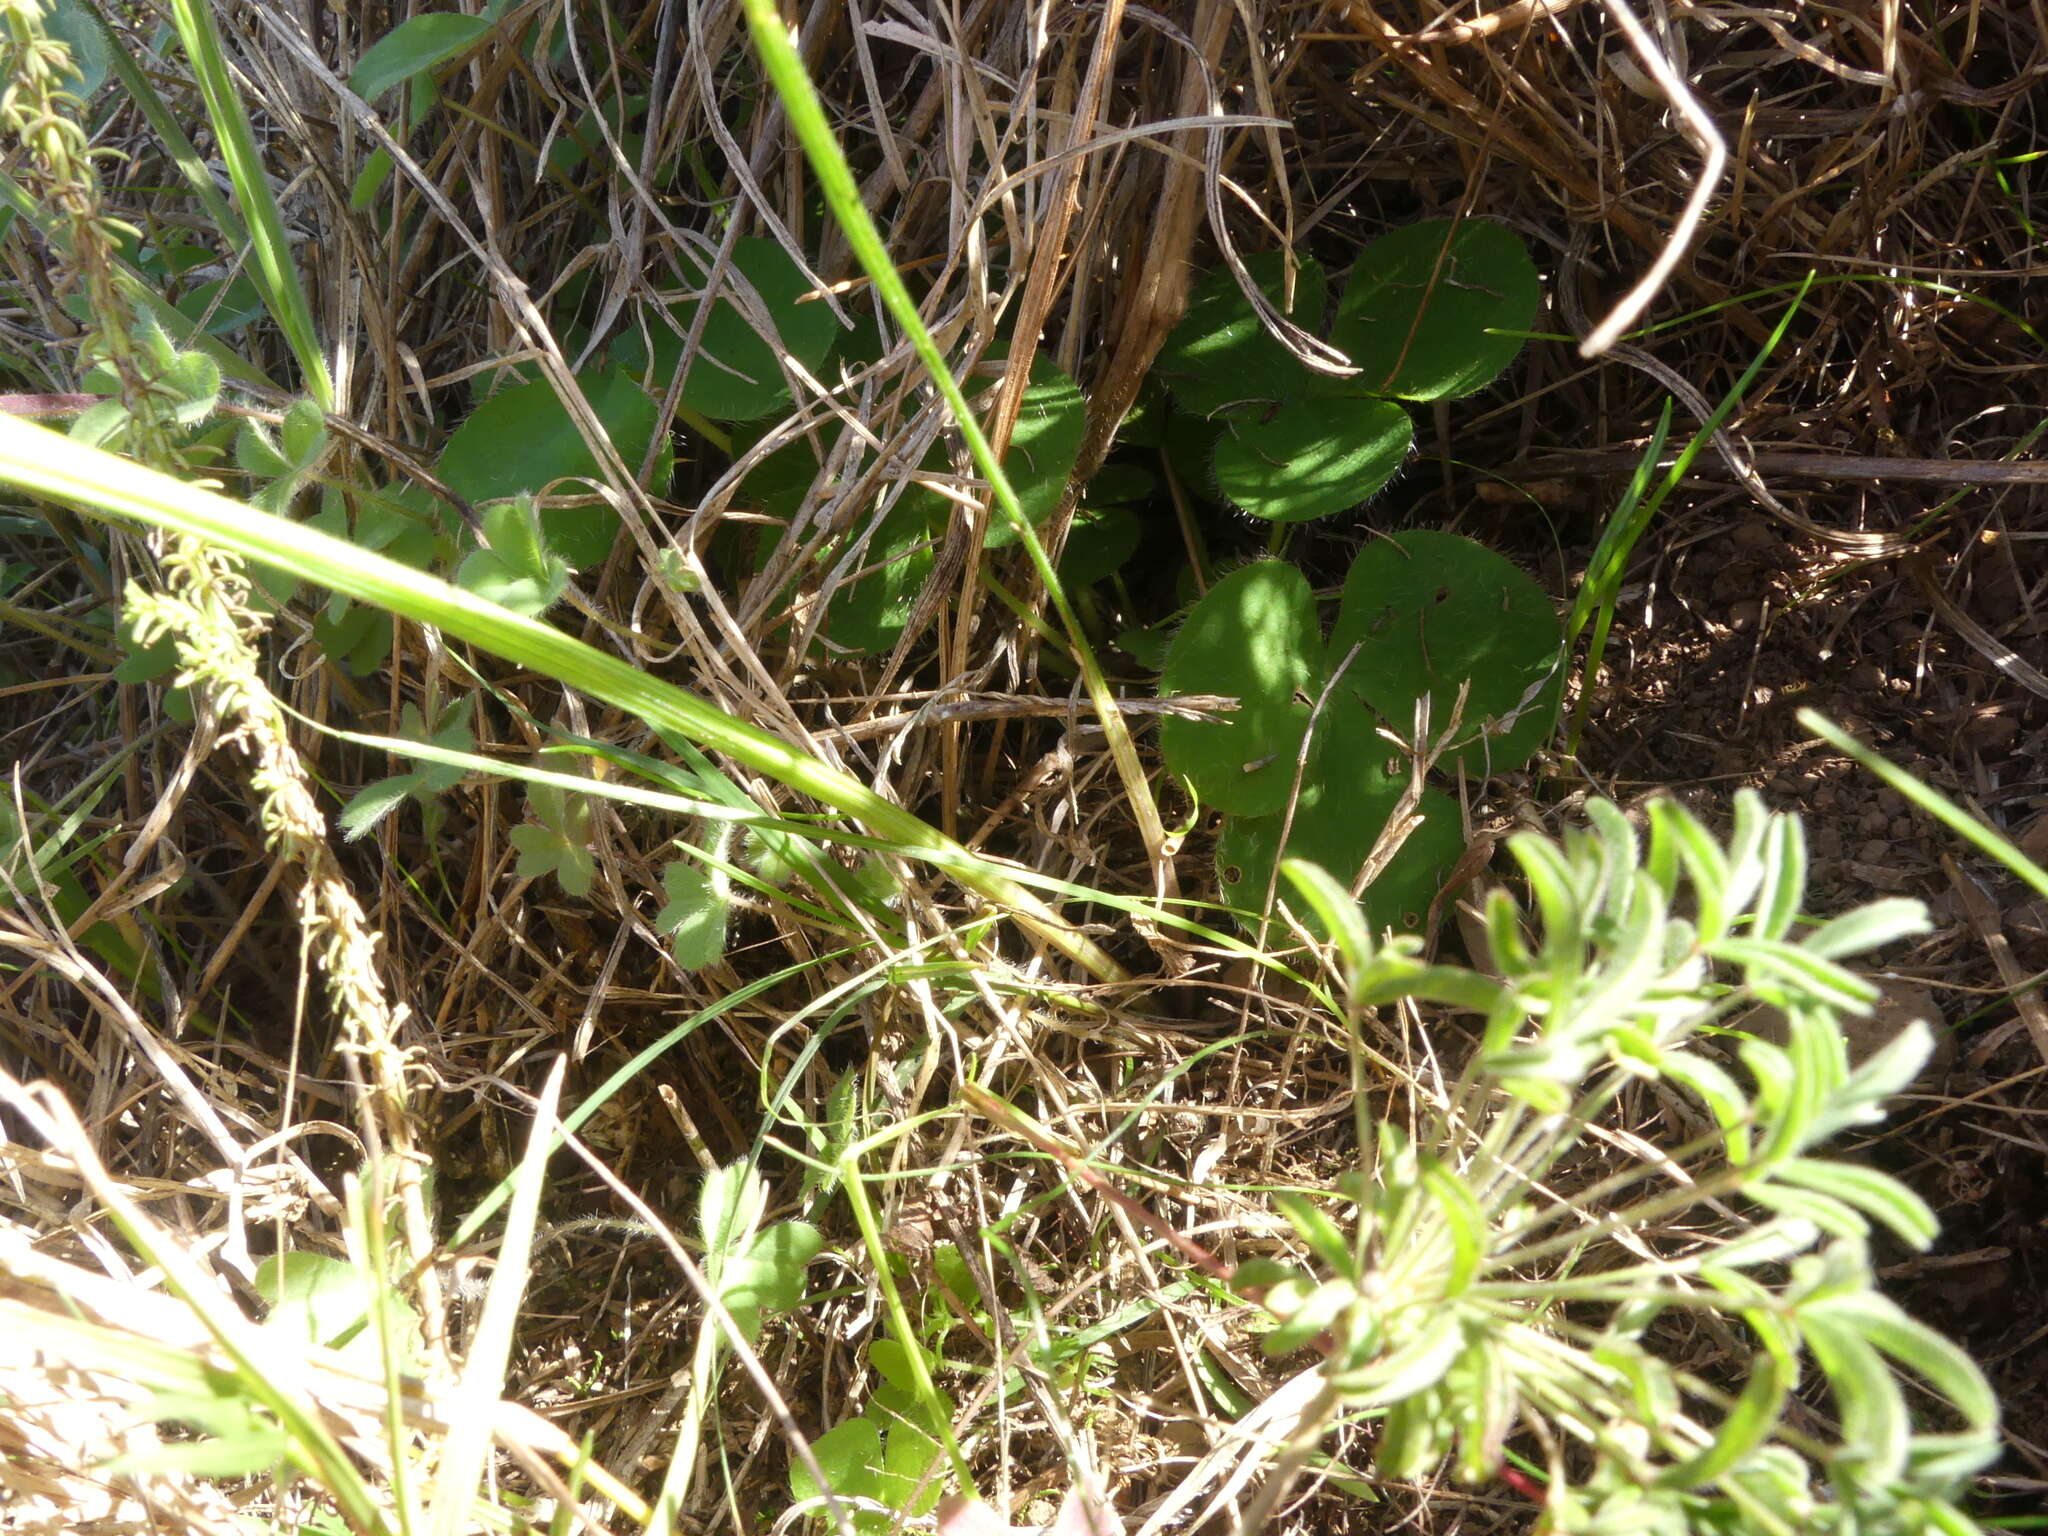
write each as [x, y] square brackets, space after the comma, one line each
[1014, 156]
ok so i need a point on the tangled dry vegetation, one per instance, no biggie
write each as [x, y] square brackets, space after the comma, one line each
[1054, 172]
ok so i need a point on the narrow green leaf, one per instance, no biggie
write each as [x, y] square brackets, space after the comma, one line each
[1702, 859]
[1464, 1223]
[1720, 1093]
[421, 43]
[1325, 1239]
[1875, 1426]
[270, 249]
[1875, 1194]
[1415, 1367]
[1741, 1430]
[1340, 916]
[1953, 816]
[1784, 881]
[1769, 967]
[1868, 927]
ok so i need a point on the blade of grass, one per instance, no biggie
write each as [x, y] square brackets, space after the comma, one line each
[271, 266]
[1601, 584]
[89, 479]
[807, 119]
[483, 1373]
[172, 140]
[1935, 804]
[926, 1390]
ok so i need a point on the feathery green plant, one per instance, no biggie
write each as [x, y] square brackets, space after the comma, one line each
[1472, 1288]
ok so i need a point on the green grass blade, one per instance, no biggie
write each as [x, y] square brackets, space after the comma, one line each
[1634, 513]
[1935, 804]
[813, 130]
[271, 265]
[88, 478]
[175, 144]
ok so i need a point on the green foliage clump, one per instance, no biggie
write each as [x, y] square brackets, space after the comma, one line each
[1441, 651]
[1462, 1301]
[1434, 311]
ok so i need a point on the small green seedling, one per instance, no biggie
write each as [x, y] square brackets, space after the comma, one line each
[1315, 761]
[514, 567]
[1432, 312]
[1472, 1293]
[424, 783]
[694, 913]
[882, 1454]
[557, 841]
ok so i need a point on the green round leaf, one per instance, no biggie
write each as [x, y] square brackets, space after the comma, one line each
[1430, 611]
[1255, 638]
[1355, 781]
[735, 375]
[868, 617]
[778, 484]
[1119, 483]
[1043, 448]
[1188, 444]
[1100, 542]
[1312, 457]
[521, 439]
[1423, 314]
[72, 23]
[1221, 357]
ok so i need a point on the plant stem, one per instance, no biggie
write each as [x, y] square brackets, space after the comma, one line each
[842, 196]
